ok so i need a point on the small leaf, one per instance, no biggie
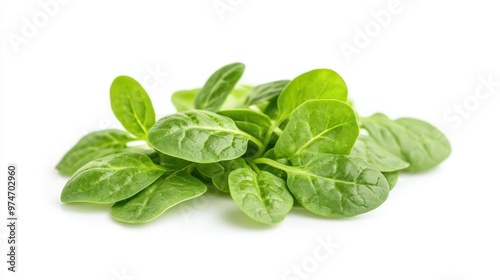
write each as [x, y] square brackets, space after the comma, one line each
[318, 126]
[183, 100]
[262, 196]
[111, 179]
[392, 178]
[132, 106]
[420, 144]
[265, 92]
[198, 136]
[221, 181]
[249, 121]
[316, 84]
[218, 87]
[95, 145]
[375, 154]
[157, 198]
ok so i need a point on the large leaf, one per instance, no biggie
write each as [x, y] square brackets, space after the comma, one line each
[316, 84]
[265, 92]
[132, 106]
[375, 154]
[262, 196]
[111, 179]
[213, 94]
[318, 126]
[335, 185]
[420, 144]
[94, 145]
[198, 136]
[157, 198]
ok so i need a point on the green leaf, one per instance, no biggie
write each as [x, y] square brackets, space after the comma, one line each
[249, 121]
[183, 100]
[262, 196]
[335, 185]
[95, 145]
[111, 179]
[220, 179]
[265, 92]
[318, 126]
[218, 87]
[132, 106]
[420, 144]
[392, 178]
[198, 136]
[276, 172]
[316, 84]
[157, 198]
[236, 99]
[375, 154]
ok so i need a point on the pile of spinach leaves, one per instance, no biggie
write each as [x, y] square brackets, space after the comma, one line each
[268, 146]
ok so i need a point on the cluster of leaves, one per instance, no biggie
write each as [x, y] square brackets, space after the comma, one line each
[269, 147]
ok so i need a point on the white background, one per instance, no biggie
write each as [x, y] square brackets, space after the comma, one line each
[426, 62]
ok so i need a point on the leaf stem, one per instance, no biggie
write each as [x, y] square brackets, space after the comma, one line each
[269, 134]
[273, 163]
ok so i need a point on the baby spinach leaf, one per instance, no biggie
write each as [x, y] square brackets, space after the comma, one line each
[236, 99]
[198, 136]
[132, 106]
[315, 84]
[210, 170]
[157, 198]
[220, 180]
[183, 100]
[375, 154]
[420, 144]
[213, 94]
[392, 178]
[93, 146]
[335, 185]
[265, 92]
[249, 121]
[262, 196]
[318, 126]
[111, 179]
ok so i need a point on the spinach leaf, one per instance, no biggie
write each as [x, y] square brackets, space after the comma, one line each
[213, 94]
[132, 106]
[236, 99]
[420, 144]
[262, 196]
[93, 146]
[157, 198]
[249, 121]
[221, 171]
[392, 178]
[375, 154]
[316, 84]
[183, 100]
[335, 185]
[111, 179]
[198, 136]
[265, 92]
[318, 126]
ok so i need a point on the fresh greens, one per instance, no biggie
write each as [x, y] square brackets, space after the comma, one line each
[132, 106]
[261, 195]
[212, 95]
[157, 198]
[111, 179]
[267, 146]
